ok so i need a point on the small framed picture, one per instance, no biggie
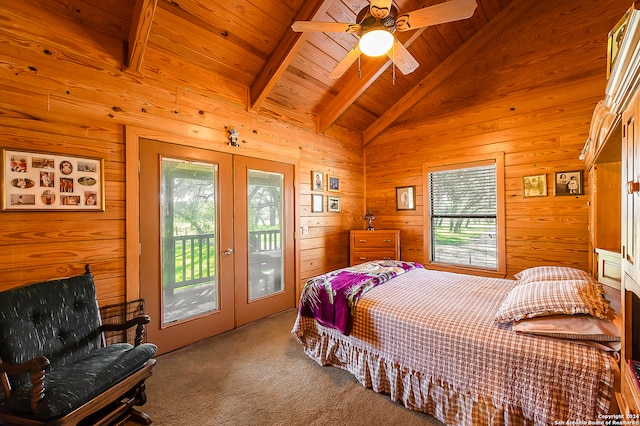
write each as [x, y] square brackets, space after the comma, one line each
[317, 181]
[616, 35]
[333, 183]
[569, 183]
[316, 203]
[406, 198]
[534, 186]
[333, 204]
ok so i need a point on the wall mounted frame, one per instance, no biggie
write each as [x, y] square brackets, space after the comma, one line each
[39, 181]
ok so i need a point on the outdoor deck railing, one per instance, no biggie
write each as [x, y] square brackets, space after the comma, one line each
[195, 257]
[264, 240]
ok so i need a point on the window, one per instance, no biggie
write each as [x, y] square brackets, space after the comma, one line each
[464, 215]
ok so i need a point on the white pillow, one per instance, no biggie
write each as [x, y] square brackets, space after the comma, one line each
[573, 327]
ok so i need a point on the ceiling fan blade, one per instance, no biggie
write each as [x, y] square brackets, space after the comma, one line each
[402, 59]
[345, 63]
[380, 8]
[324, 27]
[449, 11]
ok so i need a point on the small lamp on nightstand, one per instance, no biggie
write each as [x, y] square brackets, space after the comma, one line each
[369, 216]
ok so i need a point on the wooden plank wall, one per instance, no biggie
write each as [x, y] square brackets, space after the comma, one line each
[67, 94]
[530, 94]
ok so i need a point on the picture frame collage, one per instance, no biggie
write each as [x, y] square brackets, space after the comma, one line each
[38, 181]
[321, 184]
[565, 183]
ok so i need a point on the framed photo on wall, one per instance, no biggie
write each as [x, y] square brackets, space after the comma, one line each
[48, 182]
[333, 183]
[569, 183]
[616, 35]
[534, 186]
[317, 181]
[316, 203]
[333, 204]
[406, 198]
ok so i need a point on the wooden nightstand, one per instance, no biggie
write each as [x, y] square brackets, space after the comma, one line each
[374, 245]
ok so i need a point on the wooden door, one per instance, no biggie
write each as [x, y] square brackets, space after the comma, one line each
[186, 242]
[263, 240]
[217, 247]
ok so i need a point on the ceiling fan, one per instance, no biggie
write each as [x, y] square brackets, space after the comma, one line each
[376, 23]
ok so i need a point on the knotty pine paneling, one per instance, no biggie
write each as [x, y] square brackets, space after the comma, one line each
[75, 99]
[62, 90]
[526, 95]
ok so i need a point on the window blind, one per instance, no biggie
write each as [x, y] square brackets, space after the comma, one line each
[463, 216]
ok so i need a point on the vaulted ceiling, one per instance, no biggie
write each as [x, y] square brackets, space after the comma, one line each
[249, 45]
[245, 53]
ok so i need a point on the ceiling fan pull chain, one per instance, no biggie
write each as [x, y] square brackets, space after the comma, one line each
[359, 71]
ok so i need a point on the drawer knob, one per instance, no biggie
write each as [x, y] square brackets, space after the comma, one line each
[363, 258]
[363, 241]
[387, 241]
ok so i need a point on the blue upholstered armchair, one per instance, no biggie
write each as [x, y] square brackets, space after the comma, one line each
[55, 367]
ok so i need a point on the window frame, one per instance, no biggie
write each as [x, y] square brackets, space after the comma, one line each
[496, 158]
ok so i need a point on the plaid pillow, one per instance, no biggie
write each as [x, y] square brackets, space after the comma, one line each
[551, 273]
[542, 298]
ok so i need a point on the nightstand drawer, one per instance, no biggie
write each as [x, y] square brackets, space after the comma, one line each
[373, 245]
[374, 240]
[360, 256]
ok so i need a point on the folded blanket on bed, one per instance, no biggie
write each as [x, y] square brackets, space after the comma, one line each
[331, 298]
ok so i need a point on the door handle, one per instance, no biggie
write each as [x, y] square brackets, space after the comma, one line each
[227, 252]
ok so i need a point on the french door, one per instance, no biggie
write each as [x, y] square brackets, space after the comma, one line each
[264, 238]
[216, 236]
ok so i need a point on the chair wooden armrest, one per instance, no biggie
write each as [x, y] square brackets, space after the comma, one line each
[36, 368]
[138, 321]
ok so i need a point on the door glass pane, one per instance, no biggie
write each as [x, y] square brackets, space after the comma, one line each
[265, 233]
[188, 224]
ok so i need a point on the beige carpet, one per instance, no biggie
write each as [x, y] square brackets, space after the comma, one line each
[259, 375]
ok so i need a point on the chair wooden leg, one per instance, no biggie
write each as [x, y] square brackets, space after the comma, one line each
[141, 396]
[140, 417]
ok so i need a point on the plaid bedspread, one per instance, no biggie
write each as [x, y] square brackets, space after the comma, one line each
[331, 298]
[429, 339]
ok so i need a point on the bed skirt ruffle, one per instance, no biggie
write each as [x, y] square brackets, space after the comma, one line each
[404, 385]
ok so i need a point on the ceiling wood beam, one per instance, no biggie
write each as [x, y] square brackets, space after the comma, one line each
[143, 13]
[284, 53]
[505, 19]
[354, 88]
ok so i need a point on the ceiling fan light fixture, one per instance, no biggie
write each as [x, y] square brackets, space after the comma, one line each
[376, 42]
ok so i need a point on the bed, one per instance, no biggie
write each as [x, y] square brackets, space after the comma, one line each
[433, 341]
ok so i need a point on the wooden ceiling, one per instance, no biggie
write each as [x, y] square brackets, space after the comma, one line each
[244, 52]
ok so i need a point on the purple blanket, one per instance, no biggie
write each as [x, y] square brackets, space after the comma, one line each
[331, 298]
